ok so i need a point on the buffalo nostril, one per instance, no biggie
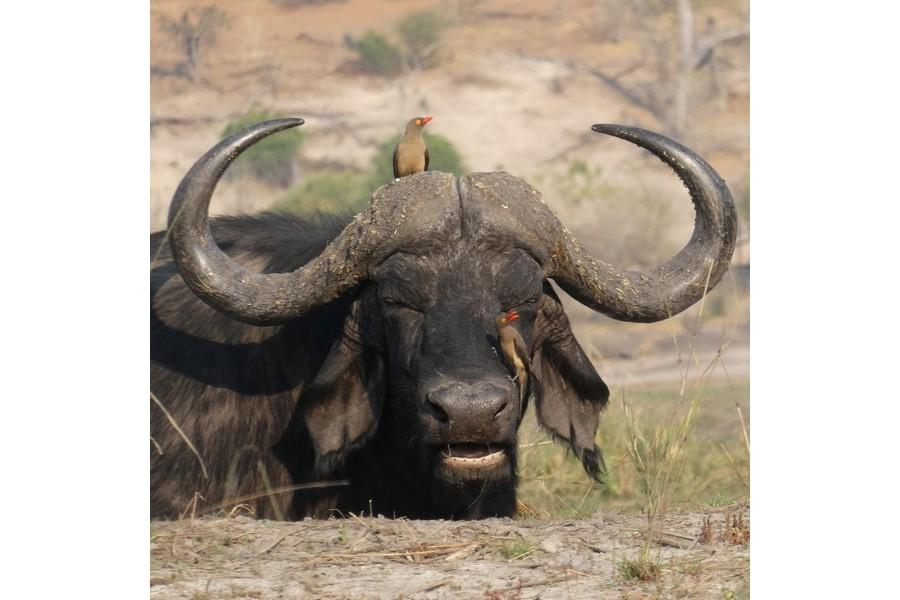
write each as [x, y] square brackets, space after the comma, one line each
[436, 411]
[503, 405]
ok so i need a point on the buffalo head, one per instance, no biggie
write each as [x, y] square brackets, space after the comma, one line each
[427, 266]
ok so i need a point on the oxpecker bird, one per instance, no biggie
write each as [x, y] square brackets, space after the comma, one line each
[411, 154]
[513, 348]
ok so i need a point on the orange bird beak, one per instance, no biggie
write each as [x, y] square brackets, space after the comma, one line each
[512, 316]
[425, 120]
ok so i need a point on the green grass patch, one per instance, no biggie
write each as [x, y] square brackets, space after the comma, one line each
[516, 550]
[640, 569]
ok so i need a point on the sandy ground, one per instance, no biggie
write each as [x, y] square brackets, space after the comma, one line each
[493, 559]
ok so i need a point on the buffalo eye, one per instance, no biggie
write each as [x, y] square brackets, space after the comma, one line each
[399, 297]
[397, 304]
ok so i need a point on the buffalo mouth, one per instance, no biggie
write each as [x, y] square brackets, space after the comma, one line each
[472, 457]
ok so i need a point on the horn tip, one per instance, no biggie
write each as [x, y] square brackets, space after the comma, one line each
[275, 125]
[609, 128]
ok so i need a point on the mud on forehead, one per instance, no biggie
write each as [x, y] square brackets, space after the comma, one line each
[501, 210]
[510, 275]
[431, 208]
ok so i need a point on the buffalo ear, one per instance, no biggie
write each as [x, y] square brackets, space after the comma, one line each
[342, 405]
[571, 394]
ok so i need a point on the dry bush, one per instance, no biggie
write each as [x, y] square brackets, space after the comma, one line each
[194, 31]
[421, 34]
[737, 529]
[734, 529]
[707, 533]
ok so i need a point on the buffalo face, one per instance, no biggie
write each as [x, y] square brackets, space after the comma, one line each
[443, 404]
[446, 376]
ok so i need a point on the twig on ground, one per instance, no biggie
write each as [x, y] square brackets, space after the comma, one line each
[547, 581]
[265, 551]
[682, 542]
[430, 587]
[593, 548]
[433, 551]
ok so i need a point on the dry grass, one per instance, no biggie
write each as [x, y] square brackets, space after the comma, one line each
[181, 432]
[661, 448]
[553, 482]
[658, 453]
[733, 529]
[662, 452]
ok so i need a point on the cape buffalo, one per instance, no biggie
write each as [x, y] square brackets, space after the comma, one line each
[288, 350]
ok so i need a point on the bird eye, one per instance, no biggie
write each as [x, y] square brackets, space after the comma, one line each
[527, 305]
[418, 121]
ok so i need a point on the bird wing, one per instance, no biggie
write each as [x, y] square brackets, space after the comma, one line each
[522, 351]
[426, 158]
[394, 160]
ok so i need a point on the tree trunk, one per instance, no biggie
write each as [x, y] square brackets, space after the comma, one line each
[683, 79]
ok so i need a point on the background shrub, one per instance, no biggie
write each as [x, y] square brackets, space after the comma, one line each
[376, 54]
[335, 192]
[420, 33]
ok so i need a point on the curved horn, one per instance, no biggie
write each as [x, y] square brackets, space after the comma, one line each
[682, 281]
[224, 284]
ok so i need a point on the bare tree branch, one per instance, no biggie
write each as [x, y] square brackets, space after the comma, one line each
[630, 95]
[707, 46]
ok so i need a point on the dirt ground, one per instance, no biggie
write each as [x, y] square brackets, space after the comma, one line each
[495, 559]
